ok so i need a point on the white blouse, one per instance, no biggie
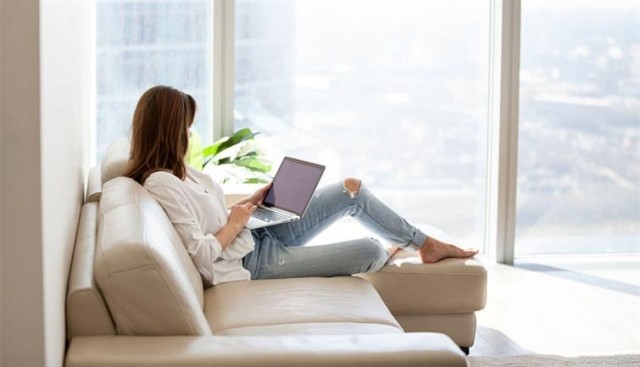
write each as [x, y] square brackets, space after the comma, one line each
[197, 210]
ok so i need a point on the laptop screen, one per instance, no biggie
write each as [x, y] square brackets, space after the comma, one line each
[294, 185]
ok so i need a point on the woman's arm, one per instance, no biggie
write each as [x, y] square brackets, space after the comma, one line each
[238, 217]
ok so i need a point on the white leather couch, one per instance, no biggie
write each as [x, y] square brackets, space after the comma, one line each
[135, 299]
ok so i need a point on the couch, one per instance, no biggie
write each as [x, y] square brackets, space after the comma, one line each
[135, 299]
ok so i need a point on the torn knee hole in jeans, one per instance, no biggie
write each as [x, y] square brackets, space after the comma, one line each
[348, 187]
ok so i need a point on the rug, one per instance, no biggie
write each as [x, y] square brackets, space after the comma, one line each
[539, 360]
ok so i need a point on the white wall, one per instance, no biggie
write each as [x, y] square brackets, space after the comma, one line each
[65, 98]
[45, 98]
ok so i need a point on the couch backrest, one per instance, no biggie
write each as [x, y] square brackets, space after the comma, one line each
[142, 268]
[87, 313]
[115, 160]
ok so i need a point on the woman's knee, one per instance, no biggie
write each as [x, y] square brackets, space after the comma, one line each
[375, 256]
[352, 186]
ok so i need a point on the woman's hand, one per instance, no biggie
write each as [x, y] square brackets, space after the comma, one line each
[257, 197]
[240, 214]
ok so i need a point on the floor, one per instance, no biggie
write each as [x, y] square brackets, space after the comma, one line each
[566, 305]
[572, 305]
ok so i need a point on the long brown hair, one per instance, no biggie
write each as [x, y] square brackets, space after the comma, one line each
[160, 133]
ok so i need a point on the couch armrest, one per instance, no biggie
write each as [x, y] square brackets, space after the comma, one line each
[94, 185]
[415, 349]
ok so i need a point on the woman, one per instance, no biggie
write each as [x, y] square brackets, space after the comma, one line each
[219, 245]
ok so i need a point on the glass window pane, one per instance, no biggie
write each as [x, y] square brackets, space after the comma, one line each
[394, 93]
[579, 139]
[145, 43]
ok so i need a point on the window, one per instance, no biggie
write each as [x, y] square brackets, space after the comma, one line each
[398, 96]
[395, 95]
[579, 137]
[145, 43]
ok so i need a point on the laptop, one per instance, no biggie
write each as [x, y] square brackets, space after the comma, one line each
[289, 195]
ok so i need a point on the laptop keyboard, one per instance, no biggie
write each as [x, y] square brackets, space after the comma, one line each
[268, 215]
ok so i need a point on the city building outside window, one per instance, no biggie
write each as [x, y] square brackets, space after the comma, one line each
[394, 95]
[579, 135]
[140, 44]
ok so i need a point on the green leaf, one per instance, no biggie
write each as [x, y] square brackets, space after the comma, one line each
[254, 164]
[241, 135]
[227, 142]
[213, 149]
[256, 180]
[237, 159]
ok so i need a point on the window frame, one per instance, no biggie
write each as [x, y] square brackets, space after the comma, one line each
[223, 67]
[504, 102]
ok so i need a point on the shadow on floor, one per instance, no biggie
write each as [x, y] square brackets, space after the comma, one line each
[591, 280]
[491, 342]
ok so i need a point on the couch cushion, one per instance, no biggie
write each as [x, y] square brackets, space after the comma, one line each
[382, 350]
[87, 313]
[340, 305]
[143, 270]
[460, 327]
[314, 328]
[115, 160]
[450, 286]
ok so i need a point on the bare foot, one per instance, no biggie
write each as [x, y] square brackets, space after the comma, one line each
[433, 251]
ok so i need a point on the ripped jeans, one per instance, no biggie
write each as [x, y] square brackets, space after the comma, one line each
[280, 250]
